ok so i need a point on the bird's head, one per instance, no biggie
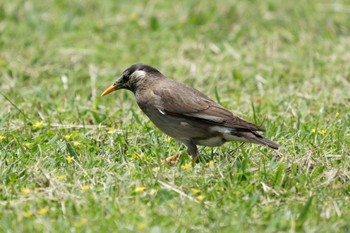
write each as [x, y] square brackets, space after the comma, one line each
[132, 77]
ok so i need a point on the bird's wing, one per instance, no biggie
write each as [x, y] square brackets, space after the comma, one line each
[187, 102]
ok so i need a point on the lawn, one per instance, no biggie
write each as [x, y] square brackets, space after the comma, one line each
[72, 161]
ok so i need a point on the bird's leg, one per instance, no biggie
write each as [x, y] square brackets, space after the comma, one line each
[192, 150]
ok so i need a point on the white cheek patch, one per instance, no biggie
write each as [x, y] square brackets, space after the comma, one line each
[139, 74]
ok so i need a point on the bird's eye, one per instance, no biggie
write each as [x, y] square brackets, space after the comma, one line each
[125, 77]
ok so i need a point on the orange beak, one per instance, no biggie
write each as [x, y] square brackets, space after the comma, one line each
[109, 90]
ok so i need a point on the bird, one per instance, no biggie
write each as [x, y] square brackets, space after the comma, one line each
[184, 113]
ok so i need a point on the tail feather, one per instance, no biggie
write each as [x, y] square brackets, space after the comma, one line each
[266, 142]
[257, 138]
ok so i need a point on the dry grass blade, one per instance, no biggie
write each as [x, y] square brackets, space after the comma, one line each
[172, 188]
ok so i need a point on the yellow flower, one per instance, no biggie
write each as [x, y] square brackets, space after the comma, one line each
[77, 144]
[28, 214]
[85, 188]
[141, 226]
[194, 190]
[323, 131]
[133, 17]
[69, 159]
[19, 218]
[43, 211]
[28, 145]
[210, 163]
[167, 139]
[200, 198]
[112, 130]
[25, 191]
[67, 137]
[80, 223]
[60, 178]
[187, 166]
[3, 63]
[337, 114]
[314, 130]
[140, 189]
[135, 157]
[1, 138]
[38, 125]
[83, 220]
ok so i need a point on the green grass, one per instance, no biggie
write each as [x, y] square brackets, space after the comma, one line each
[71, 161]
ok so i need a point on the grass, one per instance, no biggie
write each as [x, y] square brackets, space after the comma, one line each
[71, 161]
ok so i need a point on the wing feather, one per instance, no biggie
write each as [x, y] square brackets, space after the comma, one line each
[183, 101]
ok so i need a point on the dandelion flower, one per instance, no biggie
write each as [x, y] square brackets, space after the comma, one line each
[133, 17]
[69, 159]
[25, 191]
[187, 166]
[167, 139]
[85, 188]
[200, 198]
[140, 189]
[323, 131]
[112, 130]
[28, 214]
[195, 191]
[210, 163]
[77, 144]
[1, 138]
[141, 226]
[43, 211]
[80, 223]
[38, 125]
[19, 218]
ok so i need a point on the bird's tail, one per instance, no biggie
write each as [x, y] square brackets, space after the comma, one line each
[257, 138]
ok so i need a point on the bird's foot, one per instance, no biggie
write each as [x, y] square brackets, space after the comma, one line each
[172, 160]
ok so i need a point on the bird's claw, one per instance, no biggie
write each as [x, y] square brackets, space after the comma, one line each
[172, 160]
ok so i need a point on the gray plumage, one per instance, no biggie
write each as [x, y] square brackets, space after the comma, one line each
[185, 113]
